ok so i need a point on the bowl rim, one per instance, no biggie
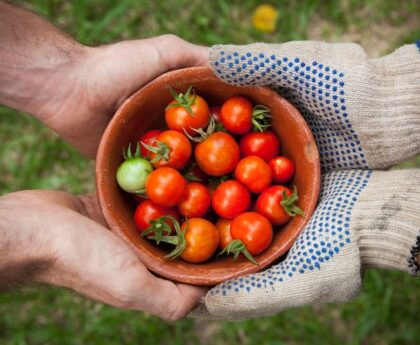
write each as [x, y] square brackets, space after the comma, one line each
[155, 265]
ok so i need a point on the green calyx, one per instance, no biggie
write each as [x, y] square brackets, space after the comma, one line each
[129, 155]
[237, 247]
[183, 100]
[157, 227]
[161, 150]
[202, 134]
[289, 204]
[177, 240]
[261, 118]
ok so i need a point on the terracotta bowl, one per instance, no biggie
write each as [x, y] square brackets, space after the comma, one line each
[144, 110]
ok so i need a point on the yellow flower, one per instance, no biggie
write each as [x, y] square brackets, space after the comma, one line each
[264, 18]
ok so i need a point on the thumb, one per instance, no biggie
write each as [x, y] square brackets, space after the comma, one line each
[122, 68]
[177, 53]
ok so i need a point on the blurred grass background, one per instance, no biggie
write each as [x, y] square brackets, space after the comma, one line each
[31, 156]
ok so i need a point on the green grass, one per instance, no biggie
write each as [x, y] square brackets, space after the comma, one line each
[31, 156]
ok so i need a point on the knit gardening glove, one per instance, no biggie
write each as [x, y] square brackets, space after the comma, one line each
[364, 114]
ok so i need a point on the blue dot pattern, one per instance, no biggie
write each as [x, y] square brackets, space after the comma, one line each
[316, 89]
[327, 233]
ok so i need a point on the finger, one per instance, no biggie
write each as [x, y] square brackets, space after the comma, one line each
[91, 208]
[166, 299]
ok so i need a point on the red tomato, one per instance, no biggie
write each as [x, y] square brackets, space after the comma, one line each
[202, 239]
[166, 186]
[215, 112]
[254, 230]
[236, 115]
[265, 145]
[223, 227]
[149, 139]
[230, 199]
[173, 149]
[179, 118]
[196, 202]
[254, 173]
[268, 204]
[218, 154]
[282, 169]
[148, 210]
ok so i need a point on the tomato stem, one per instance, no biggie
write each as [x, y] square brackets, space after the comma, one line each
[183, 100]
[161, 150]
[158, 226]
[177, 240]
[129, 155]
[261, 118]
[288, 203]
[237, 247]
[202, 135]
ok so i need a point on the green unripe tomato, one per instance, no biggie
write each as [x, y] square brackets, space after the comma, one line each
[132, 174]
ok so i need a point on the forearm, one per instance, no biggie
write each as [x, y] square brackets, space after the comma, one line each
[35, 60]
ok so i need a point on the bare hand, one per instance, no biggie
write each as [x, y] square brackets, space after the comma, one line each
[61, 239]
[105, 76]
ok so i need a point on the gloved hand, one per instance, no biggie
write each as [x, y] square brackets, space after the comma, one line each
[364, 114]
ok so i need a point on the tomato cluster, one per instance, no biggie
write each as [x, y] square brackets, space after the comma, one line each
[214, 179]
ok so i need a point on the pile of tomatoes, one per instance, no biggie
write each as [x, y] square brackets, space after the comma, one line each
[214, 179]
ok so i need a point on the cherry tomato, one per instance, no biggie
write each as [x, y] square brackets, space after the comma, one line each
[132, 174]
[230, 199]
[265, 145]
[223, 227]
[166, 186]
[215, 112]
[282, 169]
[202, 239]
[268, 204]
[254, 173]
[149, 139]
[148, 210]
[218, 154]
[196, 202]
[236, 115]
[171, 149]
[179, 118]
[254, 230]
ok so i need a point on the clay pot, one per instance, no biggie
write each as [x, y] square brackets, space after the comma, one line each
[143, 111]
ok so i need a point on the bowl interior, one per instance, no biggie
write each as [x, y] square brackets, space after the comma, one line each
[143, 111]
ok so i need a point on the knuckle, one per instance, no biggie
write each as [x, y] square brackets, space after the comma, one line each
[170, 38]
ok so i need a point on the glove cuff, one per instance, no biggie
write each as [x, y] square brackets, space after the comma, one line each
[387, 221]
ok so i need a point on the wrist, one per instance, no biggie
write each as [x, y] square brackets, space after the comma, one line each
[24, 252]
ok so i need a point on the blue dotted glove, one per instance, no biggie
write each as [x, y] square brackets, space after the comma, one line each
[364, 114]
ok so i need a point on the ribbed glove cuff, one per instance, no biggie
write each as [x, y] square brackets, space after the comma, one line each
[387, 221]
